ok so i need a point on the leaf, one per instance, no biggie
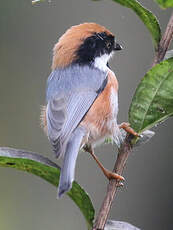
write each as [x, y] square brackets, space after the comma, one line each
[165, 3]
[36, 1]
[108, 140]
[119, 225]
[145, 137]
[40, 166]
[169, 54]
[148, 18]
[153, 99]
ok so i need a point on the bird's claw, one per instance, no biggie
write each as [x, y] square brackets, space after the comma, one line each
[128, 129]
[111, 175]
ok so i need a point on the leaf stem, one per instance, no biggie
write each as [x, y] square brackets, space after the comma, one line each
[126, 147]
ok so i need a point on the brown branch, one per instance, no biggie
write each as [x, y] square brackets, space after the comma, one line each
[113, 185]
[126, 148]
[164, 42]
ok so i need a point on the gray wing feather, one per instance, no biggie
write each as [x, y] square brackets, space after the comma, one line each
[77, 107]
[70, 94]
[55, 117]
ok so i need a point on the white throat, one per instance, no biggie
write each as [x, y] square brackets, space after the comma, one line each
[101, 62]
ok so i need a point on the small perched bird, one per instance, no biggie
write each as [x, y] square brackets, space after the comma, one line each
[82, 98]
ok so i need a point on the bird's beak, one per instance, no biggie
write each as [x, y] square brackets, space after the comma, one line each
[118, 47]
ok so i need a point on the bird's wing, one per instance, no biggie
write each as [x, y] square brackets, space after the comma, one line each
[70, 94]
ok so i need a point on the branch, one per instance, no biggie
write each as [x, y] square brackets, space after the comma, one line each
[126, 147]
[164, 42]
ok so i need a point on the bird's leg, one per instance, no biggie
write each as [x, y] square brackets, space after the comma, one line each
[128, 129]
[110, 175]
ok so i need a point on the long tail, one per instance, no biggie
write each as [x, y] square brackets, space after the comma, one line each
[69, 161]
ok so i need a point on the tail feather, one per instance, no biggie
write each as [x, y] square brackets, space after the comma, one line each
[69, 161]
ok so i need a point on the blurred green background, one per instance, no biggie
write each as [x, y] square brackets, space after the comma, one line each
[27, 36]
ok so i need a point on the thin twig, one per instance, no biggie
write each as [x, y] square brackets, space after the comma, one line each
[113, 185]
[126, 148]
[164, 42]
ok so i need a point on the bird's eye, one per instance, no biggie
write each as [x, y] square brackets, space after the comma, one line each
[108, 45]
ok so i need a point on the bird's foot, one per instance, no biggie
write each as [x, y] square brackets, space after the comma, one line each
[128, 129]
[111, 175]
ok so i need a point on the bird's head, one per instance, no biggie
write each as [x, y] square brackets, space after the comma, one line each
[85, 44]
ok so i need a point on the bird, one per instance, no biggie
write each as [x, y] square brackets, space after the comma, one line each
[82, 98]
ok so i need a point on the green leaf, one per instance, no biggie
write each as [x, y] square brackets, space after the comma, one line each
[40, 166]
[165, 3]
[146, 16]
[108, 140]
[153, 99]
